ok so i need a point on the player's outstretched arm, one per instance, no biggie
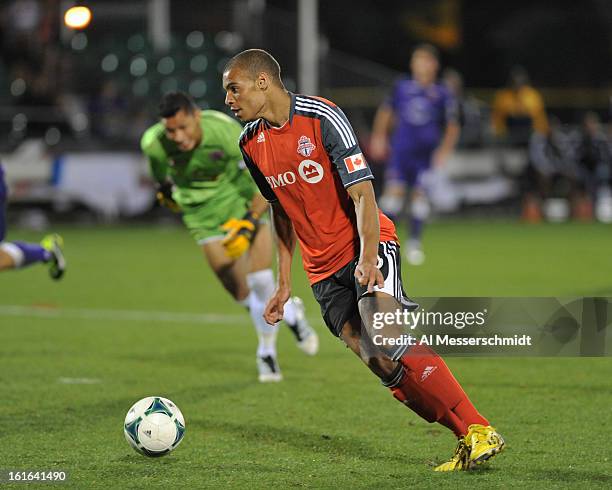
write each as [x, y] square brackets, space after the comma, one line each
[285, 244]
[366, 210]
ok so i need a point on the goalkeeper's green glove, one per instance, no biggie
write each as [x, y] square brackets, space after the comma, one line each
[164, 196]
[239, 234]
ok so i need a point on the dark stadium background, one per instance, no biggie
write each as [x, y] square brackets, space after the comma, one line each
[139, 313]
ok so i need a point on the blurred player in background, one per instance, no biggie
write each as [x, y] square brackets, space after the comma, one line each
[196, 162]
[416, 127]
[595, 165]
[552, 175]
[517, 112]
[469, 110]
[303, 154]
[518, 109]
[15, 255]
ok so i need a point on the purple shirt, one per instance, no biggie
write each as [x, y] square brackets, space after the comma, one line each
[421, 115]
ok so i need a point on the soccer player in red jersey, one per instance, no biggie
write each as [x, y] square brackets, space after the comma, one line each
[303, 155]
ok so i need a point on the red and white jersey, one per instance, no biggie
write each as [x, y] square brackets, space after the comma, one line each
[306, 165]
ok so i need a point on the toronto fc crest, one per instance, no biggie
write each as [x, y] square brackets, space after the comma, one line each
[305, 147]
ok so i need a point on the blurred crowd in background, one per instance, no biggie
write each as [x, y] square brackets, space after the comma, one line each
[95, 85]
[97, 89]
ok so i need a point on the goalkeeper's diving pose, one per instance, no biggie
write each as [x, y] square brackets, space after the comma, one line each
[196, 161]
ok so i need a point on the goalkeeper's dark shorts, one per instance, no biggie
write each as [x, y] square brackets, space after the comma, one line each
[339, 294]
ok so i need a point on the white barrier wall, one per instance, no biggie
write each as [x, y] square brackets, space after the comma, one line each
[118, 184]
[110, 184]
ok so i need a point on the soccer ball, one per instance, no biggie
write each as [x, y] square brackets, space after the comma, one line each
[154, 426]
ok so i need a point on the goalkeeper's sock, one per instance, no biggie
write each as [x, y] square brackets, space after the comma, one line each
[261, 284]
[290, 314]
[290, 317]
[424, 383]
[266, 334]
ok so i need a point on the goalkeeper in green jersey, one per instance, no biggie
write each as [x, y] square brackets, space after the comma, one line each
[196, 161]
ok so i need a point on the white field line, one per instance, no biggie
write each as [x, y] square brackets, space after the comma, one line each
[123, 315]
[79, 381]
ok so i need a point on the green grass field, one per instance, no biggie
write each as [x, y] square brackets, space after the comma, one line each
[137, 315]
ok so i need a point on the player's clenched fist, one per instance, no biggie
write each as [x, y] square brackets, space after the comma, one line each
[239, 234]
[164, 196]
[275, 308]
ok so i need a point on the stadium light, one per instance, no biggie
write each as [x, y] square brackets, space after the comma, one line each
[77, 17]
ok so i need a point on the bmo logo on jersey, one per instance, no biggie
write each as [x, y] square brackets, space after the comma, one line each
[281, 180]
[310, 171]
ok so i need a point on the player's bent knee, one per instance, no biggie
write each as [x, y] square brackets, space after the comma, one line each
[381, 365]
[351, 335]
[383, 325]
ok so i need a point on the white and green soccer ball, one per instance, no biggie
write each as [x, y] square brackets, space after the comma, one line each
[154, 426]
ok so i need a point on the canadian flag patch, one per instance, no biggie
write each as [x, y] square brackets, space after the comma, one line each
[354, 163]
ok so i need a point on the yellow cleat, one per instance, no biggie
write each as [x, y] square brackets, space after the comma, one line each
[483, 443]
[54, 244]
[460, 460]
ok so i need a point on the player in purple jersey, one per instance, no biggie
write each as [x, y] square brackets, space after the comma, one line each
[14, 255]
[414, 129]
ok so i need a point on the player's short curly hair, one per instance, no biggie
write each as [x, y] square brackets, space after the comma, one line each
[256, 61]
[172, 102]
